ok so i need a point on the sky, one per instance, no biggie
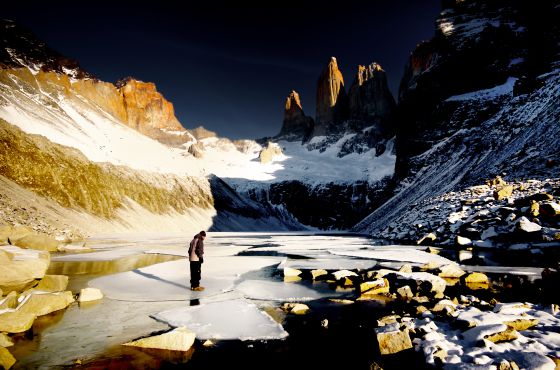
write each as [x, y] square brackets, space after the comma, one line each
[229, 66]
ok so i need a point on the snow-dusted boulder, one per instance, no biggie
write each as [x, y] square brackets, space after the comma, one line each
[90, 294]
[19, 267]
[392, 340]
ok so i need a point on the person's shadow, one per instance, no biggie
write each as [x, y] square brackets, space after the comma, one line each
[154, 277]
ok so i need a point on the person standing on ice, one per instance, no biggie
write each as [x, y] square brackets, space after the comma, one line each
[196, 253]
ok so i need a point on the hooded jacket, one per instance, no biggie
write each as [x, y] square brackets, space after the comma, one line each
[196, 248]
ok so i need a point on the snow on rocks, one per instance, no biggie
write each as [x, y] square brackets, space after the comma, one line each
[483, 216]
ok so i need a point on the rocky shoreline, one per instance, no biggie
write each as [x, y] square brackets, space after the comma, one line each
[498, 214]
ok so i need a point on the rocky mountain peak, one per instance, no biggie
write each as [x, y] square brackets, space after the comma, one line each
[332, 101]
[296, 125]
[202, 133]
[19, 47]
[293, 104]
[146, 108]
[369, 96]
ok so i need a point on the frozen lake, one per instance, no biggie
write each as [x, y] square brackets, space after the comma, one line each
[145, 279]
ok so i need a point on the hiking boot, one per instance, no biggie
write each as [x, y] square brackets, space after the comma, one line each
[198, 288]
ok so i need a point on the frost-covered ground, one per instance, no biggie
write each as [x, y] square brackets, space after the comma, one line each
[244, 278]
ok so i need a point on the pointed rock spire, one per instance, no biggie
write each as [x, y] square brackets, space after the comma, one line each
[332, 101]
[369, 96]
[296, 125]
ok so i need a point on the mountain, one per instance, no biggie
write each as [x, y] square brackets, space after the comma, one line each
[479, 99]
[105, 156]
[296, 125]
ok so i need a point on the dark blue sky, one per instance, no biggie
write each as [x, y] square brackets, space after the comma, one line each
[230, 67]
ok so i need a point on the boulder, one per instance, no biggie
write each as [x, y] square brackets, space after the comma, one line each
[550, 209]
[267, 154]
[476, 278]
[534, 209]
[526, 201]
[197, 150]
[503, 192]
[427, 239]
[480, 189]
[379, 286]
[432, 250]
[393, 341]
[521, 324]
[315, 274]
[90, 294]
[489, 233]
[288, 271]
[343, 273]
[36, 241]
[386, 320]
[6, 359]
[39, 304]
[10, 301]
[461, 240]
[405, 268]
[405, 293]
[295, 308]
[451, 271]
[494, 333]
[9, 233]
[444, 305]
[53, 283]
[508, 365]
[19, 268]
[16, 322]
[526, 226]
[503, 336]
[5, 232]
[496, 181]
[180, 339]
[5, 340]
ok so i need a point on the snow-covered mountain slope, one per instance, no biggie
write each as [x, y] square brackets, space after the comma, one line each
[478, 100]
[47, 104]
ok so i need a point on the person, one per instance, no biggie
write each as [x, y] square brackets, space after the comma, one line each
[196, 253]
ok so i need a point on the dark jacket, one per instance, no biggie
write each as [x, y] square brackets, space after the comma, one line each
[196, 248]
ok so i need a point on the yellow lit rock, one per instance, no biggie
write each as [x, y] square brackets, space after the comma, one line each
[180, 339]
[6, 359]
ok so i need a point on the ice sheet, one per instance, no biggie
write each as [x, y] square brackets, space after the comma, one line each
[170, 280]
[332, 263]
[394, 253]
[281, 291]
[233, 319]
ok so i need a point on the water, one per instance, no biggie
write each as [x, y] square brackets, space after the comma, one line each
[237, 265]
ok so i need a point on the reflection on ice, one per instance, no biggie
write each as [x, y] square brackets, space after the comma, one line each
[233, 319]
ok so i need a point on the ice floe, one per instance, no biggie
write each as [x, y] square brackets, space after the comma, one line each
[396, 253]
[280, 291]
[233, 319]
